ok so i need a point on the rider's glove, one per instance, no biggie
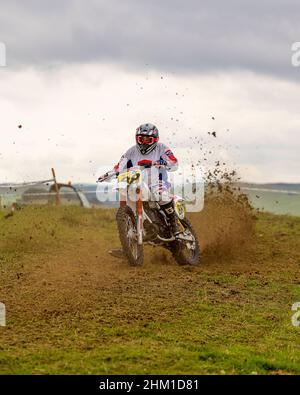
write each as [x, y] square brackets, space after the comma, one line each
[103, 177]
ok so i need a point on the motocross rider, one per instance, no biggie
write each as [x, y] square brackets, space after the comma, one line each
[149, 151]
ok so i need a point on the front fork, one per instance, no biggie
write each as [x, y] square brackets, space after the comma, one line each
[139, 211]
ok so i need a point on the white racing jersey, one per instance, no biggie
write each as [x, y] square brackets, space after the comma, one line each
[133, 157]
[157, 179]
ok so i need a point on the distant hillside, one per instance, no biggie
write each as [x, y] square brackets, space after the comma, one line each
[283, 187]
[277, 198]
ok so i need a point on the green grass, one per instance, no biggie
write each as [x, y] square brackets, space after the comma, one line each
[233, 319]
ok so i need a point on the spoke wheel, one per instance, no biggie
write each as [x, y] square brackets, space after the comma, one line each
[187, 252]
[128, 236]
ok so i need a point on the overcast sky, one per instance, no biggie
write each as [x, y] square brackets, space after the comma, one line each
[82, 75]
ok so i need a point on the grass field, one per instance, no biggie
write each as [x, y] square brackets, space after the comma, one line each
[72, 308]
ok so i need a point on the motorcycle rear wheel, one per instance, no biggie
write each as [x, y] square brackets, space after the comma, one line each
[127, 226]
[181, 253]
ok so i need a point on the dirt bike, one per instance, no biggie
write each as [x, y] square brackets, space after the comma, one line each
[142, 221]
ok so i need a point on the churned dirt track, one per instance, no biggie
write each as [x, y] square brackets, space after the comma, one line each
[73, 276]
[68, 300]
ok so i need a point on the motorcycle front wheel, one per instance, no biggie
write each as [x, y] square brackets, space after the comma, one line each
[127, 226]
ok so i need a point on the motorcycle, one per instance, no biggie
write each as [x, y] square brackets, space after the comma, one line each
[141, 220]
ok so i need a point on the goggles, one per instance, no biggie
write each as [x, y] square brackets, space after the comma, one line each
[145, 139]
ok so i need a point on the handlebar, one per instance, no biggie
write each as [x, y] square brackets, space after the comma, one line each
[145, 165]
[107, 176]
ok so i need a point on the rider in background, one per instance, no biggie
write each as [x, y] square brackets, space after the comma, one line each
[148, 151]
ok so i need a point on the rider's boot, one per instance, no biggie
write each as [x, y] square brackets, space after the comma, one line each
[170, 213]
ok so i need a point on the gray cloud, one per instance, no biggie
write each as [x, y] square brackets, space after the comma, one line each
[169, 35]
